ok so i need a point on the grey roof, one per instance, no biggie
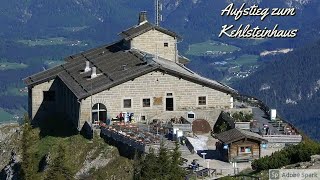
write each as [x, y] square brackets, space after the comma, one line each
[145, 27]
[237, 134]
[115, 65]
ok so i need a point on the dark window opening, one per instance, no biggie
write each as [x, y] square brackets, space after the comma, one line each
[127, 103]
[169, 104]
[143, 118]
[166, 44]
[49, 96]
[190, 115]
[169, 94]
[146, 103]
[202, 100]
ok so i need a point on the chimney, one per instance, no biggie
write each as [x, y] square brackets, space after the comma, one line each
[87, 69]
[142, 17]
[94, 72]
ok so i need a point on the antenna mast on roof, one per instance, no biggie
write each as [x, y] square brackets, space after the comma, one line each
[158, 9]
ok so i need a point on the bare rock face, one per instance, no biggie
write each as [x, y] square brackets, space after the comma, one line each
[313, 164]
[10, 135]
[44, 163]
[315, 160]
[11, 171]
[95, 163]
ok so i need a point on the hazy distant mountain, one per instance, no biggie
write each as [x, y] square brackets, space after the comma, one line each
[196, 20]
[291, 83]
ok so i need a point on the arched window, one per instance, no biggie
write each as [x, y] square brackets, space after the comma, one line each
[99, 113]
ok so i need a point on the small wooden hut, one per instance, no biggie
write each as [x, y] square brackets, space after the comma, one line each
[238, 145]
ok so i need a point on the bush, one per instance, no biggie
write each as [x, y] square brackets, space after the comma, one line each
[289, 155]
[242, 117]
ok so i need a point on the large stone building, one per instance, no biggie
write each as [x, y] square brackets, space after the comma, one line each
[142, 73]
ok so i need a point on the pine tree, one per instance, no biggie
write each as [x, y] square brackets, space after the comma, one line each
[164, 161]
[150, 169]
[162, 166]
[176, 171]
[59, 170]
[27, 166]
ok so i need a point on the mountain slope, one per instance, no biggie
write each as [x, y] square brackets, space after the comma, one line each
[291, 83]
[194, 19]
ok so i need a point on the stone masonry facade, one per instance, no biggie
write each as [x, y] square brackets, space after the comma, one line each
[153, 42]
[156, 86]
[65, 104]
[37, 97]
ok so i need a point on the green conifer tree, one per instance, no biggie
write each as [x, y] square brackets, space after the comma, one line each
[176, 171]
[149, 167]
[163, 162]
[27, 166]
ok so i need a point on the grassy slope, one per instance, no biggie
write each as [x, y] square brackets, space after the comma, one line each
[199, 49]
[8, 66]
[262, 175]
[51, 42]
[246, 59]
[4, 116]
[77, 149]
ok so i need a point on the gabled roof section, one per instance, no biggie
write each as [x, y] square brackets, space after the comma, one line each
[235, 134]
[115, 65]
[145, 27]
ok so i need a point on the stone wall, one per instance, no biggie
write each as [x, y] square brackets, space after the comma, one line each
[156, 86]
[153, 42]
[64, 106]
[37, 99]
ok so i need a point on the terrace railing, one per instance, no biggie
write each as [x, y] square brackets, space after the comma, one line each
[258, 103]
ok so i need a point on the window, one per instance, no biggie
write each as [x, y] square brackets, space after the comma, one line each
[169, 94]
[244, 150]
[202, 100]
[146, 102]
[49, 96]
[127, 103]
[99, 113]
[166, 44]
[190, 115]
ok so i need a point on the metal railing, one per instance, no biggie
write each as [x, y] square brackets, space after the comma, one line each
[258, 103]
[283, 138]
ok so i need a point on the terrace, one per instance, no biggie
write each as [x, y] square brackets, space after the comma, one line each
[133, 135]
